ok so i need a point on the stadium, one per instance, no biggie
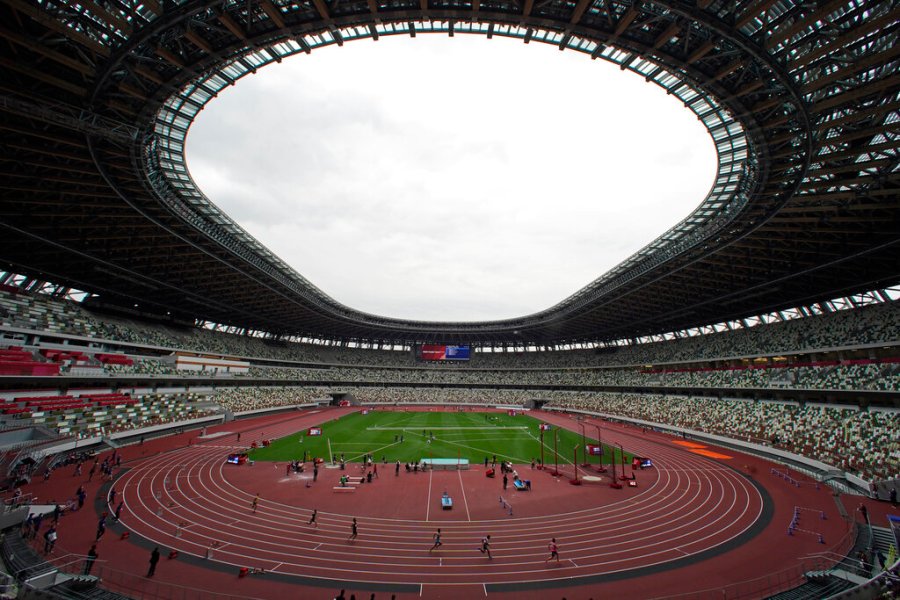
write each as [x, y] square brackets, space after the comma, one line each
[716, 416]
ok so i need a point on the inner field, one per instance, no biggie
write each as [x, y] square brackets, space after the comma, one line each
[389, 436]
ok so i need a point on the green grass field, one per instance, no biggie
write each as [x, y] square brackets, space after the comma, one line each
[468, 435]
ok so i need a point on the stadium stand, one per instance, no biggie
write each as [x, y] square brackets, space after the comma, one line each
[800, 99]
[851, 350]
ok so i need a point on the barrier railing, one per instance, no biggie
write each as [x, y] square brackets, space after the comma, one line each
[137, 586]
[131, 584]
[759, 587]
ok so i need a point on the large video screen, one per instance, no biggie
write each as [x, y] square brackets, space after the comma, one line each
[442, 352]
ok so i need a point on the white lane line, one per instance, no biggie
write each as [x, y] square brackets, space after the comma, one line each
[698, 473]
[428, 502]
[465, 502]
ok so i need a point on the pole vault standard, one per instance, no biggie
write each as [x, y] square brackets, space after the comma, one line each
[614, 484]
[602, 469]
[556, 452]
[575, 464]
[583, 448]
[542, 445]
[622, 450]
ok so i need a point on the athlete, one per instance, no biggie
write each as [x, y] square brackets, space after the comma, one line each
[486, 546]
[554, 550]
[437, 540]
[353, 530]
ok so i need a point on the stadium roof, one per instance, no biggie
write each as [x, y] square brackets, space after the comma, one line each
[801, 100]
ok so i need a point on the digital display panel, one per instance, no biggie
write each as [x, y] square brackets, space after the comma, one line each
[441, 352]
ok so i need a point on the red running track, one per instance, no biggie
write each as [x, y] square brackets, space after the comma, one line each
[688, 512]
[685, 506]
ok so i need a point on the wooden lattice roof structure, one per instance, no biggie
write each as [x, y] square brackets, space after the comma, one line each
[800, 98]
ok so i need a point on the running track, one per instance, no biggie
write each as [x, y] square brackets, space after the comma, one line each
[692, 506]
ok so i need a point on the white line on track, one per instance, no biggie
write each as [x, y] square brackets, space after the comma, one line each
[428, 502]
[684, 487]
[697, 470]
[465, 502]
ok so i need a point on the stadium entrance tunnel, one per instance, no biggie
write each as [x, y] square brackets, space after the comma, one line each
[343, 399]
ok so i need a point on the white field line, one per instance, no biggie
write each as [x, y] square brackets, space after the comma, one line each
[377, 428]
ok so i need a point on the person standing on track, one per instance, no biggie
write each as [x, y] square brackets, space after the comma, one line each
[554, 550]
[101, 527]
[154, 558]
[486, 546]
[255, 503]
[50, 537]
[353, 530]
[437, 540]
[89, 561]
[312, 518]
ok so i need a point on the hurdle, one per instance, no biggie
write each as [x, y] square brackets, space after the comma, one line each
[506, 506]
[798, 509]
[795, 522]
[791, 480]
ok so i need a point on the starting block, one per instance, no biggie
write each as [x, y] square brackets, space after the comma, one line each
[243, 572]
[125, 535]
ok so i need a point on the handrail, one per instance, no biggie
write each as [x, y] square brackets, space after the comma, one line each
[134, 585]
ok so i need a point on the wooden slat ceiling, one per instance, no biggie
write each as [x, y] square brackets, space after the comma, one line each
[815, 85]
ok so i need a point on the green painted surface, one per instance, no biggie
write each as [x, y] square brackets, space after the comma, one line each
[470, 435]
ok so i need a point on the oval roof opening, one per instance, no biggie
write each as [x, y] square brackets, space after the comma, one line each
[450, 179]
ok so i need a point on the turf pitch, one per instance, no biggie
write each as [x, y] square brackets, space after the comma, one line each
[412, 436]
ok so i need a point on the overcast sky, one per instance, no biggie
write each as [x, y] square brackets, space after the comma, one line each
[443, 178]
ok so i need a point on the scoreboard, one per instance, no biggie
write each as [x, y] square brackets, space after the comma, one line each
[440, 352]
